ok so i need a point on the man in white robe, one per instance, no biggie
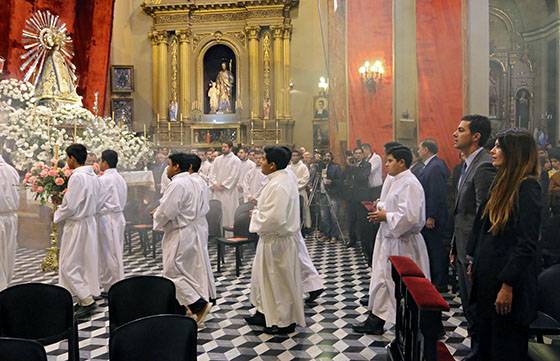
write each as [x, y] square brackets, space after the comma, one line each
[401, 214]
[254, 181]
[275, 278]
[223, 182]
[244, 168]
[302, 173]
[111, 221]
[184, 243]
[79, 246]
[206, 166]
[9, 203]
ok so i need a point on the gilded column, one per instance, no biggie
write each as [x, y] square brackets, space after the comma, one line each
[254, 83]
[278, 68]
[163, 79]
[184, 73]
[155, 65]
[287, 105]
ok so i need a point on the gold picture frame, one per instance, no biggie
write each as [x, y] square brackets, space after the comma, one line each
[213, 135]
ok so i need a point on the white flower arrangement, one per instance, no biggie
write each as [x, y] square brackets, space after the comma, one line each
[16, 94]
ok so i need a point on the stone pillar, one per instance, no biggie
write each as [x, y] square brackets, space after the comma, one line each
[278, 69]
[476, 55]
[405, 73]
[254, 81]
[163, 76]
[155, 65]
[184, 73]
[287, 107]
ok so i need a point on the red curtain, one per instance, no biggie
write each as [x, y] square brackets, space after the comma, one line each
[440, 72]
[89, 22]
[370, 37]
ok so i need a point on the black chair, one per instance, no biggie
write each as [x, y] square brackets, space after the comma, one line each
[141, 296]
[39, 312]
[548, 319]
[241, 236]
[214, 219]
[161, 338]
[19, 349]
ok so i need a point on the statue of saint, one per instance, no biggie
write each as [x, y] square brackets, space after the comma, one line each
[224, 82]
[214, 96]
[173, 109]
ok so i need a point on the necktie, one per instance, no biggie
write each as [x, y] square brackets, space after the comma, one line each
[463, 171]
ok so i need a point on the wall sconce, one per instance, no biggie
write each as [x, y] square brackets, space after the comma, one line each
[372, 74]
[323, 85]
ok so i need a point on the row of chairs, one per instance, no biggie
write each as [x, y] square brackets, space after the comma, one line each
[35, 314]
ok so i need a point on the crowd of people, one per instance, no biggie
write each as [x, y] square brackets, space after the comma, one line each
[493, 218]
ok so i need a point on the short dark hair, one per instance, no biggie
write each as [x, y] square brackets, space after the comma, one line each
[390, 145]
[401, 152]
[430, 144]
[481, 125]
[296, 151]
[554, 153]
[183, 160]
[78, 151]
[111, 157]
[357, 148]
[229, 143]
[278, 155]
[366, 145]
[195, 162]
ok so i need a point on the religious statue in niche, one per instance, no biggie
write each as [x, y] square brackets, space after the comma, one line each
[522, 107]
[214, 97]
[173, 109]
[224, 83]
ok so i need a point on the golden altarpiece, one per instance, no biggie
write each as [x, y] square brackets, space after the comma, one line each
[221, 71]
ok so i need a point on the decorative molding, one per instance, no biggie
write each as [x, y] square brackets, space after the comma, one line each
[277, 31]
[543, 32]
[163, 18]
[252, 32]
[184, 35]
[161, 37]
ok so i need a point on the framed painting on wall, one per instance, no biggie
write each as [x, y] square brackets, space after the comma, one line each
[123, 110]
[122, 78]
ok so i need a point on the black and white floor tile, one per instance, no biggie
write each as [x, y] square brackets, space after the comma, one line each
[327, 336]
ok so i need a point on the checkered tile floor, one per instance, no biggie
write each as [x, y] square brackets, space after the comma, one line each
[328, 335]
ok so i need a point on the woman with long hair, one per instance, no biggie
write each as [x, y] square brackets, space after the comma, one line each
[505, 249]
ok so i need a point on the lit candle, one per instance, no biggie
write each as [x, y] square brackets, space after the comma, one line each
[113, 116]
[157, 118]
[55, 156]
[264, 125]
[181, 132]
[169, 130]
[277, 131]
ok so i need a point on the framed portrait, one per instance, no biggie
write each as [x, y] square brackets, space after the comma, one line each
[123, 109]
[320, 107]
[213, 135]
[320, 135]
[122, 78]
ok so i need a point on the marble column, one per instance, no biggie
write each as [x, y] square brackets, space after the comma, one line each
[163, 76]
[278, 69]
[286, 86]
[476, 57]
[184, 73]
[254, 81]
[155, 62]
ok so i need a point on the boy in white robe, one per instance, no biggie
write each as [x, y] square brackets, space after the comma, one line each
[401, 212]
[111, 221]
[184, 250]
[254, 181]
[275, 278]
[79, 247]
[245, 167]
[223, 182]
[9, 203]
[302, 173]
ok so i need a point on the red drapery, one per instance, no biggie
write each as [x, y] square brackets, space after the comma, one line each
[440, 72]
[370, 37]
[89, 22]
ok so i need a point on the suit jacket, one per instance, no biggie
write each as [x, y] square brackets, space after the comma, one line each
[509, 257]
[357, 178]
[472, 193]
[434, 181]
[334, 173]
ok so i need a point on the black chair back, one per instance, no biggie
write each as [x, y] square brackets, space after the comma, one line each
[161, 338]
[214, 218]
[18, 349]
[241, 220]
[141, 296]
[39, 312]
[549, 292]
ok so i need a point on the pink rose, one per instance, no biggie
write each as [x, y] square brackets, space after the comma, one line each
[59, 181]
[40, 189]
[32, 179]
[44, 173]
[27, 175]
[34, 188]
[53, 172]
[67, 172]
[40, 164]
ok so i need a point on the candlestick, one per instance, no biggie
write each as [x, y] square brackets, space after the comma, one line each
[277, 130]
[169, 130]
[181, 132]
[113, 116]
[264, 125]
[157, 118]
[144, 131]
[55, 156]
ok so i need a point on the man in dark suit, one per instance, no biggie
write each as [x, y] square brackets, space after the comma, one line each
[329, 192]
[433, 178]
[476, 177]
[357, 175]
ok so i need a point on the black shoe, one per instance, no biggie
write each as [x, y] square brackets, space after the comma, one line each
[364, 301]
[275, 330]
[256, 320]
[372, 326]
[313, 295]
[104, 295]
[84, 311]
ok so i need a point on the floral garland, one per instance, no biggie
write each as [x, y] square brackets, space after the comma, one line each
[16, 94]
[48, 183]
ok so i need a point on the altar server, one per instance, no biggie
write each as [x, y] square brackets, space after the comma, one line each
[111, 221]
[276, 279]
[254, 181]
[246, 166]
[302, 173]
[79, 247]
[401, 214]
[184, 243]
[9, 203]
[223, 182]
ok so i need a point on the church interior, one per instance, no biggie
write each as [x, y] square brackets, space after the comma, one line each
[325, 78]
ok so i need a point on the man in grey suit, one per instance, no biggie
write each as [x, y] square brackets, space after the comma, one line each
[477, 175]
